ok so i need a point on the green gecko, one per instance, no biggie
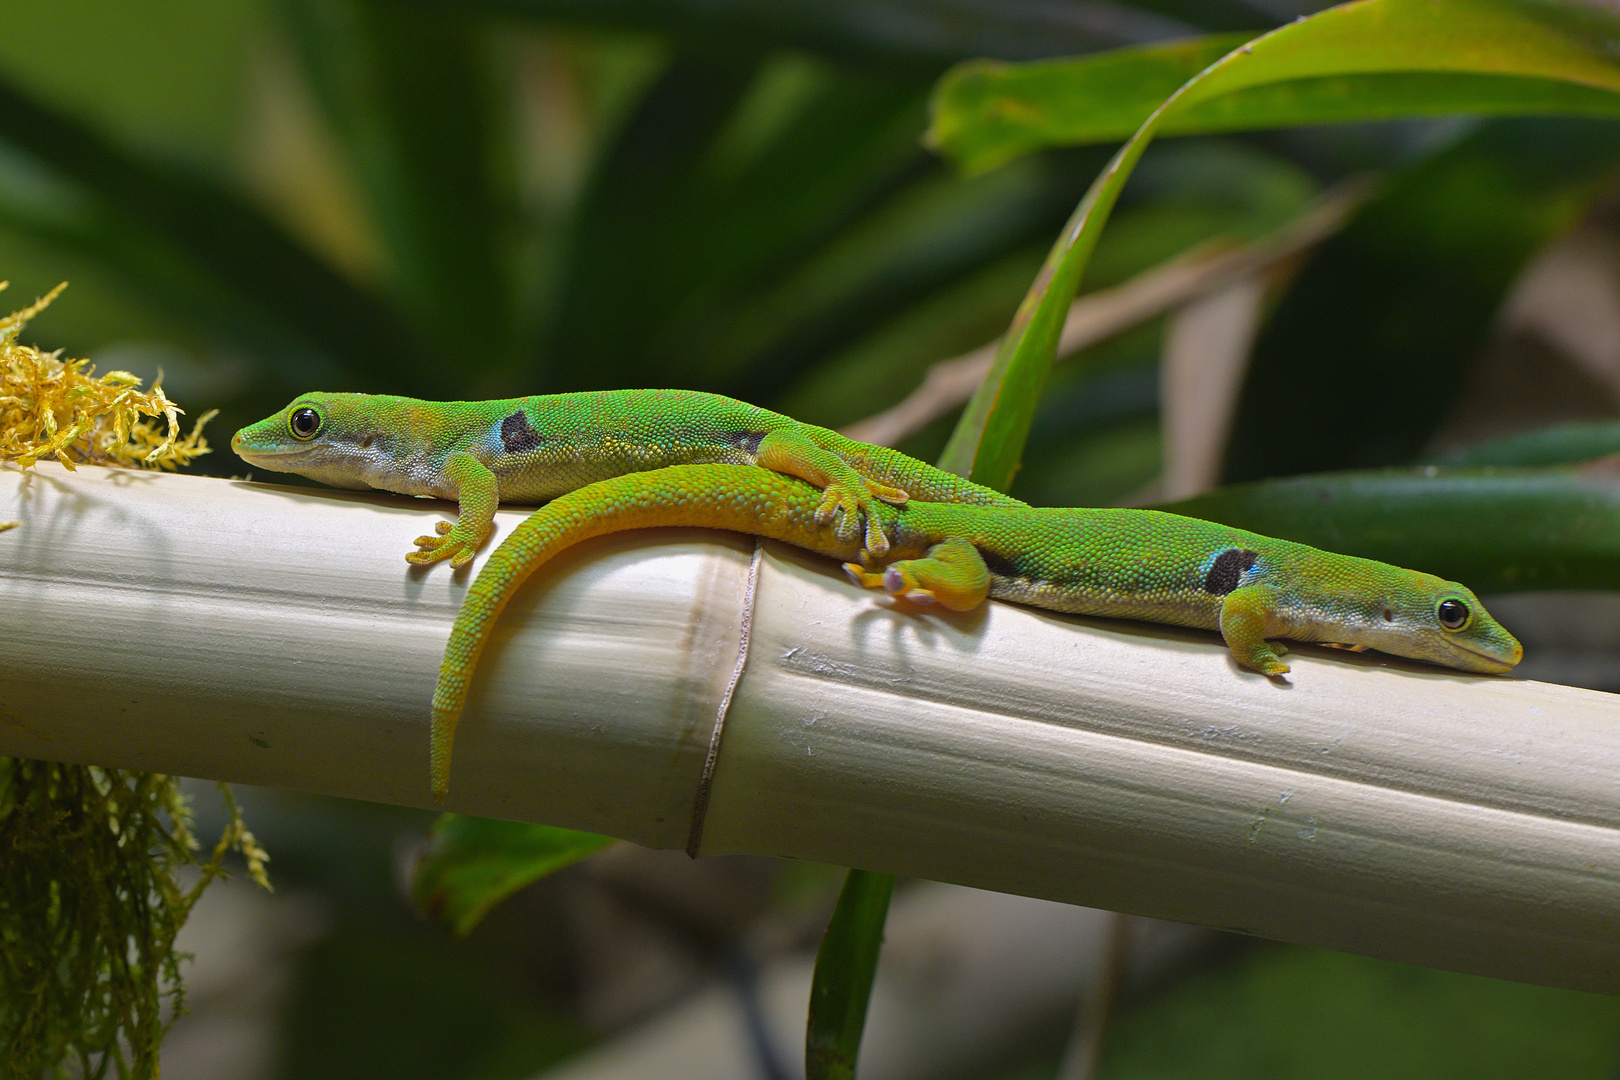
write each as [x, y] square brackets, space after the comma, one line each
[1136, 564]
[528, 450]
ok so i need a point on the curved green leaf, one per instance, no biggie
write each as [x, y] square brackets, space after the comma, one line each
[985, 113]
[1367, 37]
[1495, 530]
[842, 985]
[473, 863]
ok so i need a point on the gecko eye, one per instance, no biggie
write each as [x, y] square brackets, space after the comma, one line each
[304, 423]
[1453, 614]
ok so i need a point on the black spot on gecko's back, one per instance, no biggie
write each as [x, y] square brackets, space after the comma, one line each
[1228, 567]
[518, 435]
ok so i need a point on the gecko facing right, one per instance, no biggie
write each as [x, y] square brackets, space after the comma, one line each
[1135, 564]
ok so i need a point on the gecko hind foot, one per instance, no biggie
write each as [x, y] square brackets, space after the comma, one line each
[845, 508]
[863, 577]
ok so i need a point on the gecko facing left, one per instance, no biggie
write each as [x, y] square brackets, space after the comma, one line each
[528, 450]
[1136, 564]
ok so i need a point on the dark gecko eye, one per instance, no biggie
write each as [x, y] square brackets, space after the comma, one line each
[1453, 614]
[304, 423]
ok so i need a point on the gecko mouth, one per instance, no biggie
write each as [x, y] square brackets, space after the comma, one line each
[1492, 661]
[250, 453]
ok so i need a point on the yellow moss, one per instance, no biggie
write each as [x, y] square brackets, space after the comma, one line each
[51, 407]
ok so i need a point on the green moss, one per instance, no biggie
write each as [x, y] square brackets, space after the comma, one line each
[90, 903]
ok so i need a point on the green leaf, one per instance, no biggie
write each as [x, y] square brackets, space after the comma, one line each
[842, 985]
[404, 89]
[985, 113]
[474, 863]
[1495, 530]
[1366, 37]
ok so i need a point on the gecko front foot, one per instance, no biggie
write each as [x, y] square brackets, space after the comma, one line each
[454, 542]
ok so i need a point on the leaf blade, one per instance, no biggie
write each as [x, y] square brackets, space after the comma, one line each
[842, 984]
[471, 864]
[985, 112]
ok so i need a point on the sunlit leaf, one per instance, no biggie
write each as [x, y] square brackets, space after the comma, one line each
[1367, 37]
[472, 864]
[986, 112]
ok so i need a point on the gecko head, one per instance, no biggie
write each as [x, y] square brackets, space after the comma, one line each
[338, 439]
[1430, 618]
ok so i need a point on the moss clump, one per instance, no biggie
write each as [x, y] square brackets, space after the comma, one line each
[90, 903]
[50, 407]
[90, 858]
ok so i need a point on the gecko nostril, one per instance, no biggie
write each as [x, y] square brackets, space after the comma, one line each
[1389, 616]
[365, 443]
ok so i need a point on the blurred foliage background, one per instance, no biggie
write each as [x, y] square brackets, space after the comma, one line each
[498, 197]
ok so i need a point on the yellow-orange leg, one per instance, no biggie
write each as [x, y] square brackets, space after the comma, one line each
[479, 495]
[952, 574]
[846, 494]
[1245, 619]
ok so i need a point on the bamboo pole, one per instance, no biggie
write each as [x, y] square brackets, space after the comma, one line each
[276, 636]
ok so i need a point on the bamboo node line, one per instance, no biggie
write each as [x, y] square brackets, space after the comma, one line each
[700, 805]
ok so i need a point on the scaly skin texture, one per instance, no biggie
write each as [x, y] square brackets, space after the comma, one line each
[529, 450]
[1135, 564]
